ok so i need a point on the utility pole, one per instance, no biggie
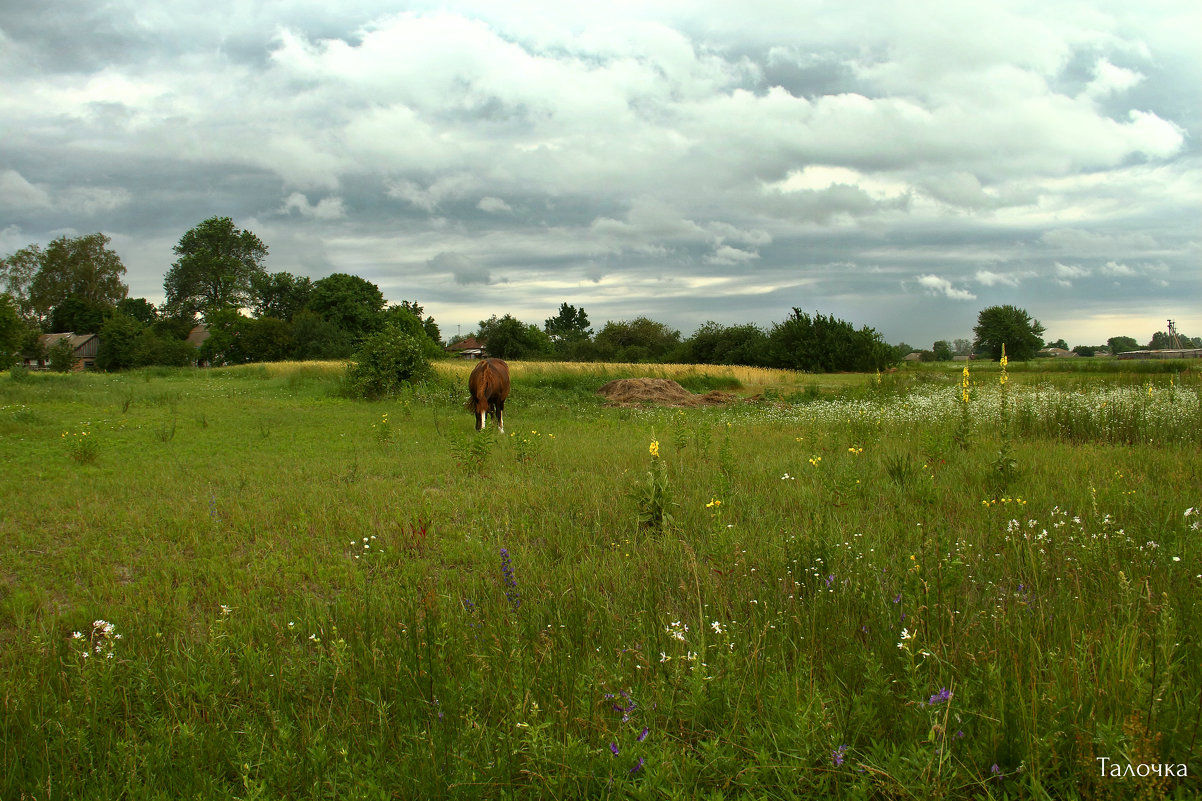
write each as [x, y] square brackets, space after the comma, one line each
[1173, 338]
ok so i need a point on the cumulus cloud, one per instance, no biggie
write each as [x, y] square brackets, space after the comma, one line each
[1109, 79]
[990, 278]
[493, 205]
[16, 191]
[328, 208]
[725, 254]
[1119, 270]
[941, 286]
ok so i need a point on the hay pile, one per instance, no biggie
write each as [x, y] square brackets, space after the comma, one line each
[658, 392]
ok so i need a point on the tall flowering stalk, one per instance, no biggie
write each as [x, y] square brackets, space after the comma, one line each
[1005, 465]
[653, 495]
[511, 583]
[965, 428]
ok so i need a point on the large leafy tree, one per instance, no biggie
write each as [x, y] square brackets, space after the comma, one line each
[17, 271]
[1008, 326]
[826, 344]
[714, 343]
[637, 340]
[140, 309]
[279, 295]
[316, 338]
[510, 338]
[79, 314]
[71, 267]
[1119, 345]
[354, 304]
[570, 325]
[393, 316]
[217, 261]
[12, 330]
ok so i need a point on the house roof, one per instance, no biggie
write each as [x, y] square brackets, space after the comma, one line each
[471, 343]
[198, 335]
[77, 340]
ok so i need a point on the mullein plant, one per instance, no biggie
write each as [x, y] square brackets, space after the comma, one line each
[1005, 466]
[653, 496]
[961, 436]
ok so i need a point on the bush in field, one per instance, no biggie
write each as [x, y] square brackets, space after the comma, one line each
[61, 355]
[118, 342]
[385, 362]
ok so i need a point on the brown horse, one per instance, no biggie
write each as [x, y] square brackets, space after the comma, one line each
[488, 386]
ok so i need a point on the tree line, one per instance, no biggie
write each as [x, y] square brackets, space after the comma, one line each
[76, 284]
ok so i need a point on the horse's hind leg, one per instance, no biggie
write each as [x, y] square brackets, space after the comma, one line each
[499, 408]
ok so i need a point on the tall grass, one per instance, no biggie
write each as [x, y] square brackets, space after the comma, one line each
[843, 603]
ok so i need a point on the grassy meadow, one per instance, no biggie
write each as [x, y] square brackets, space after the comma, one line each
[235, 583]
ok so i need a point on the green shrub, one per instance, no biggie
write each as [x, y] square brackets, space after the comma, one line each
[61, 356]
[385, 363]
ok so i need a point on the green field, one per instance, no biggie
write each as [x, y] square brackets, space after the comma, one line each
[234, 583]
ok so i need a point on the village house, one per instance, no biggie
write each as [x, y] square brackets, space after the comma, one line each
[469, 348]
[83, 345]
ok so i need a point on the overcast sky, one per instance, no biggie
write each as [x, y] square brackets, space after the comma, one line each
[898, 165]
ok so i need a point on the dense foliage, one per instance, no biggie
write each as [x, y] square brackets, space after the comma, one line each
[74, 284]
[386, 363]
[1007, 327]
[216, 263]
[826, 345]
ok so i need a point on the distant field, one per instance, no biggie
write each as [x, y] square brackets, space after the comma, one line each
[234, 583]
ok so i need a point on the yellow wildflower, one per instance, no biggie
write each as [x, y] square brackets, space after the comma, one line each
[654, 449]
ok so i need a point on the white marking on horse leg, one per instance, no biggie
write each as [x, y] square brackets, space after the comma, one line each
[483, 420]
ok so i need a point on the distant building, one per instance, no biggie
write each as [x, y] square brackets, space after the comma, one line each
[1057, 353]
[469, 348]
[84, 346]
[1175, 353]
[196, 337]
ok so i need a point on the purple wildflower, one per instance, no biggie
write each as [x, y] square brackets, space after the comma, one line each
[830, 579]
[642, 735]
[897, 598]
[637, 767]
[613, 748]
[995, 770]
[944, 694]
[511, 583]
[837, 755]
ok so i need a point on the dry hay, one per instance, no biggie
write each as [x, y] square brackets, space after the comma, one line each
[658, 392]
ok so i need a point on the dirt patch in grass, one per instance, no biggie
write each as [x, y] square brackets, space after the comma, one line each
[658, 392]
